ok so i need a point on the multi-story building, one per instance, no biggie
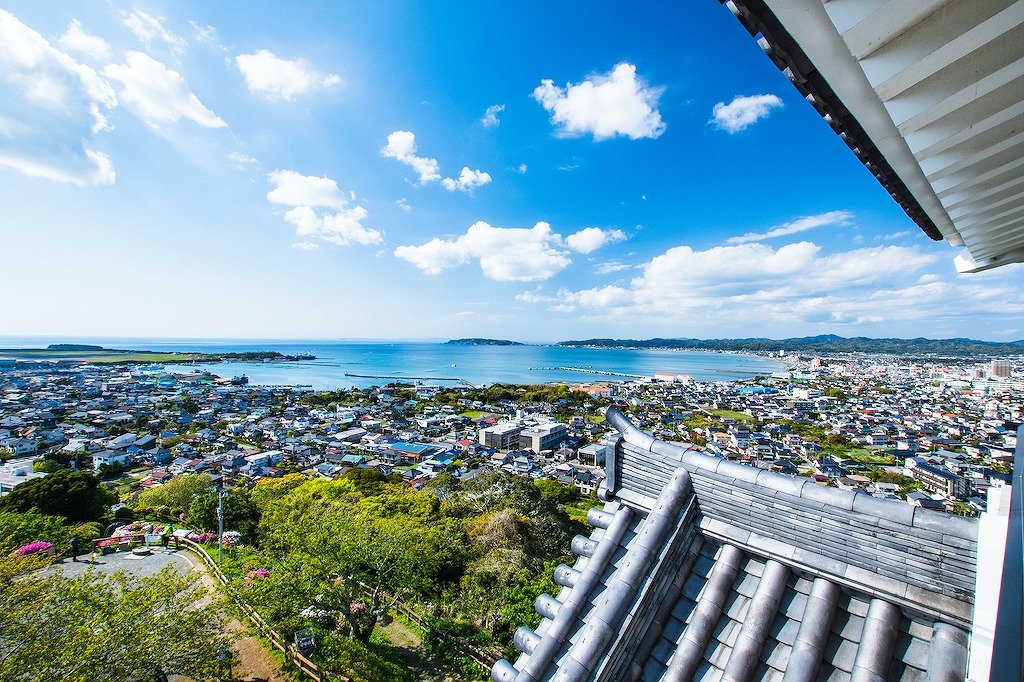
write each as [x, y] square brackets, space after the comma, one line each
[543, 437]
[940, 480]
[503, 436]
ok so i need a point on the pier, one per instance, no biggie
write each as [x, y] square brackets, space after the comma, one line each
[398, 378]
[592, 371]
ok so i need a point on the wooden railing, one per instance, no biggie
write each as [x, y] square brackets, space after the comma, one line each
[476, 655]
[292, 655]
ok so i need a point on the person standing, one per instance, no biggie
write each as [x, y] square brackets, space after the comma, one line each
[74, 548]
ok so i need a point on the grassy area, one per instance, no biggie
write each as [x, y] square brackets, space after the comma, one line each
[104, 356]
[476, 414]
[733, 414]
[109, 356]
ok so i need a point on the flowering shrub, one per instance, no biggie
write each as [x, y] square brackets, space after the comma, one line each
[357, 608]
[33, 547]
[256, 573]
[232, 538]
[206, 537]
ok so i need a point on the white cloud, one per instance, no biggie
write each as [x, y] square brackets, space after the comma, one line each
[274, 78]
[403, 204]
[835, 218]
[490, 118]
[521, 168]
[505, 254]
[206, 34]
[320, 209]
[402, 146]
[743, 112]
[612, 266]
[242, 160]
[51, 110]
[592, 238]
[305, 246]
[158, 94]
[605, 105]
[148, 29]
[795, 286]
[76, 39]
[467, 180]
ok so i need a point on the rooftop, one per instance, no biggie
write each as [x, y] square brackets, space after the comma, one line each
[928, 95]
[705, 569]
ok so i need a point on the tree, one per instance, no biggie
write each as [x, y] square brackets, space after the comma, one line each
[177, 493]
[362, 554]
[21, 528]
[75, 495]
[96, 627]
[240, 513]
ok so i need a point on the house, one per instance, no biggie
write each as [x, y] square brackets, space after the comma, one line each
[591, 455]
[110, 457]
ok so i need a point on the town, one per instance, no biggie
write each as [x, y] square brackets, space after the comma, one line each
[936, 433]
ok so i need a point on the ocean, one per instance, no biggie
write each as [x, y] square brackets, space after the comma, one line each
[442, 364]
[437, 363]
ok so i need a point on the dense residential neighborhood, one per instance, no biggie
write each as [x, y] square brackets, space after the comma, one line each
[935, 433]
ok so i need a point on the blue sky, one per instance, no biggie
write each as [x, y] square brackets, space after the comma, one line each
[406, 170]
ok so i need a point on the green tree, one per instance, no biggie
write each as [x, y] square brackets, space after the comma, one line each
[240, 513]
[96, 627]
[178, 493]
[75, 495]
[21, 528]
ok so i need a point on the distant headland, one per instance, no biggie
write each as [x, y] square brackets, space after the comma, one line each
[483, 342]
[78, 352]
[827, 343]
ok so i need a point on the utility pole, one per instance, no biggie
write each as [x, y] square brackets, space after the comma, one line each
[221, 494]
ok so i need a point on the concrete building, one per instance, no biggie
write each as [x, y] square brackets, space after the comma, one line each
[1000, 368]
[543, 437]
[940, 480]
[503, 436]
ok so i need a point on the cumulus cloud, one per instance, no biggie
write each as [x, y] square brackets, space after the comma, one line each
[402, 146]
[158, 94]
[521, 168]
[149, 29]
[320, 209]
[305, 246]
[505, 253]
[52, 109]
[269, 76]
[592, 238]
[835, 218]
[467, 180]
[77, 39]
[490, 118]
[743, 112]
[796, 286]
[604, 105]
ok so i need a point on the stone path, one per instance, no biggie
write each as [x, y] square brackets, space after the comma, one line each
[252, 660]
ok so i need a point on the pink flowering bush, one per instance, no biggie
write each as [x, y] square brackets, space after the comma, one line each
[256, 573]
[206, 537]
[357, 608]
[33, 547]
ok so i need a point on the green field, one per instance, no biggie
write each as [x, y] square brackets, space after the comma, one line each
[109, 356]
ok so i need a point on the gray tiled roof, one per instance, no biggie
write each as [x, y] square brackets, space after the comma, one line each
[704, 569]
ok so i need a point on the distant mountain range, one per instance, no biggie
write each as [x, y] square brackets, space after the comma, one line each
[483, 342]
[827, 343]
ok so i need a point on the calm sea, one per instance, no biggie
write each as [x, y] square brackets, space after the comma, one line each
[442, 364]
